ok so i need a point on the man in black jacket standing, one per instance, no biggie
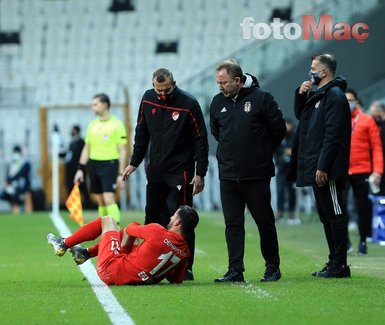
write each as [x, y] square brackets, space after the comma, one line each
[321, 153]
[171, 122]
[248, 125]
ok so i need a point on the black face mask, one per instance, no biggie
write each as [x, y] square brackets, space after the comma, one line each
[315, 77]
[377, 119]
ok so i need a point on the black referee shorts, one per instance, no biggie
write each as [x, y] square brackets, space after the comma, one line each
[103, 174]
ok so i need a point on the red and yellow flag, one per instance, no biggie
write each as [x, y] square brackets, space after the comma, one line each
[74, 205]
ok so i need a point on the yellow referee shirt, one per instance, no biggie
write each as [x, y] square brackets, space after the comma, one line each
[103, 138]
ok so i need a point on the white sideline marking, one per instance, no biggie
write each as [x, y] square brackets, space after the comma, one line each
[110, 304]
[199, 252]
[256, 291]
[358, 267]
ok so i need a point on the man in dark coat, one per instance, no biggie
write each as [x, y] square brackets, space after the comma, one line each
[320, 155]
[248, 125]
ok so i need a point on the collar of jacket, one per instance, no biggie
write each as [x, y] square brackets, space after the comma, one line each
[242, 93]
[355, 112]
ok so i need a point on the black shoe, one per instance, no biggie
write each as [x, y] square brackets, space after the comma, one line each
[231, 276]
[362, 248]
[334, 271]
[272, 273]
[79, 254]
[322, 270]
[188, 276]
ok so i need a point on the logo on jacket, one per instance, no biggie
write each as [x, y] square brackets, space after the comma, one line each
[317, 104]
[247, 107]
[175, 115]
[223, 110]
[153, 111]
[179, 187]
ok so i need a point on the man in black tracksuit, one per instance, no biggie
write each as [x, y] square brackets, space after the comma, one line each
[248, 125]
[170, 122]
[320, 156]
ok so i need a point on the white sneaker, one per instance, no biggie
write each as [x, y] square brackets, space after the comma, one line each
[294, 221]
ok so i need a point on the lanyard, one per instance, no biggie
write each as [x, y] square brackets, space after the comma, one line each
[355, 121]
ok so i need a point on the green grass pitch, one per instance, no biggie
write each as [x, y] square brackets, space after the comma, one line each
[40, 288]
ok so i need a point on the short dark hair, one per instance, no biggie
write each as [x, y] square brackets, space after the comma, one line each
[327, 59]
[17, 148]
[162, 74]
[103, 98]
[232, 67]
[353, 92]
[76, 128]
[189, 218]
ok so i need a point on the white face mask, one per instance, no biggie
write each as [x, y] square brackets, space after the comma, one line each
[15, 156]
[352, 105]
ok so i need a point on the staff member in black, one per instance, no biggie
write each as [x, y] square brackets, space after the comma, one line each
[320, 155]
[171, 121]
[248, 125]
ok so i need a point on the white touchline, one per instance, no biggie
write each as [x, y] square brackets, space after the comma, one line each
[256, 291]
[110, 304]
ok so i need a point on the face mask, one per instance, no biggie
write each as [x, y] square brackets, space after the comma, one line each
[315, 77]
[166, 97]
[352, 105]
[15, 156]
[377, 119]
[163, 97]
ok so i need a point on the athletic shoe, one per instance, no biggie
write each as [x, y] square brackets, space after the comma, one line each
[272, 273]
[231, 276]
[79, 254]
[362, 248]
[334, 271]
[294, 221]
[188, 276]
[59, 247]
[322, 270]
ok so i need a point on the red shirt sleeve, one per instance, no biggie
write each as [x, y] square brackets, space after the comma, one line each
[137, 230]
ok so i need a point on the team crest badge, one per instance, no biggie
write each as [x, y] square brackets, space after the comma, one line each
[175, 115]
[247, 107]
[153, 111]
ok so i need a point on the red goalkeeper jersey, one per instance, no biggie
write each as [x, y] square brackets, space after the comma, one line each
[162, 254]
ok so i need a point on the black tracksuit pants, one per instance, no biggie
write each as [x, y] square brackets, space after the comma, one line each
[328, 199]
[360, 186]
[165, 193]
[235, 195]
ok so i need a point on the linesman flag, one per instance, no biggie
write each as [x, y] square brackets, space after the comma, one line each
[74, 205]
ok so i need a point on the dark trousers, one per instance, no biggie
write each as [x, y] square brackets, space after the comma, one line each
[360, 187]
[163, 199]
[285, 192]
[328, 199]
[256, 195]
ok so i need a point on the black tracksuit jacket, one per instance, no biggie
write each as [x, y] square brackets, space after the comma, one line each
[323, 135]
[248, 129]
[177, 132]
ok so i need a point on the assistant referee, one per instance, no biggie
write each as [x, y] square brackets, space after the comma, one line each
[104, 155]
